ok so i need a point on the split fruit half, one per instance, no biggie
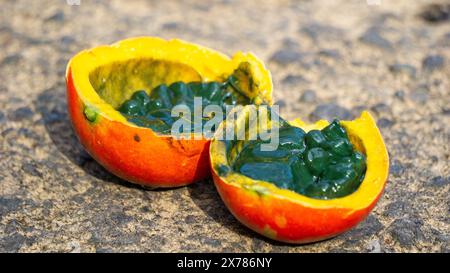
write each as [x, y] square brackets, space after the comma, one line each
[322, 179]
[119, 100]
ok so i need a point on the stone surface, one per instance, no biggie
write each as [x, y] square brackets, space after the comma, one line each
[374, 37]
[308, 96]
[433, 62]
[330, 111]
[403, 69]
[55, 197]
[436, 13]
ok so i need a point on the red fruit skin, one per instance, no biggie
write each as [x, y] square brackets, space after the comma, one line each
[286, 221]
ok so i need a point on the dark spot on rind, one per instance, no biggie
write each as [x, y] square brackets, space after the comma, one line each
[137, 138]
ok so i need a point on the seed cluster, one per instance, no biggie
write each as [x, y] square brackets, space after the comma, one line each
[321, 163]
[154, 110]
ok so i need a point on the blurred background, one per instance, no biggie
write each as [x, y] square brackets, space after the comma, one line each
[327, 59]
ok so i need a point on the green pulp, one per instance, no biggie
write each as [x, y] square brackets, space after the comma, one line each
[321, 164]
[154, 110]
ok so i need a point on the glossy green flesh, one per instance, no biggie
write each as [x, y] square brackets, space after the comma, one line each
[154, 110]
[319, 164]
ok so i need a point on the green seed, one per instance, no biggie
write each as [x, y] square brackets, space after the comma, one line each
[292, 138]
[213, 91]
[153, 105]
[181, 93]
[337, 171]
[319, 190]
[161, 93]
[276, 172]
[131, 108]
[315, 138]
[344, 185]
[198, 88]
[359, 162]
[334, 131]
[302, 176]
[340, 147]
[317, 160]
[141, 96]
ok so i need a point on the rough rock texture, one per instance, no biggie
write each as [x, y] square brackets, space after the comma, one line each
[326, 57]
